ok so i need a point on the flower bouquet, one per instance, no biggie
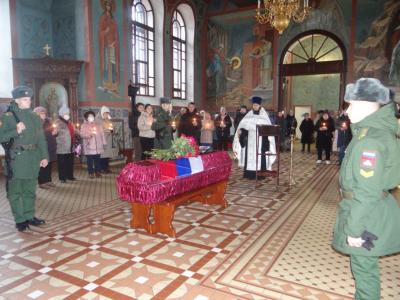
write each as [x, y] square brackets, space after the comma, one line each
[175, 160]
[183, 147]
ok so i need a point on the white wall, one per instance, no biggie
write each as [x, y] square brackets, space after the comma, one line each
[6, 74]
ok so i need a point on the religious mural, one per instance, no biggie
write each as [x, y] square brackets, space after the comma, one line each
[378, 52]
[109, 47]
[239, 63]
[52, 96]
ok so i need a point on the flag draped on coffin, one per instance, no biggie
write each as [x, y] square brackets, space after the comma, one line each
[181, 167]
[196, 164]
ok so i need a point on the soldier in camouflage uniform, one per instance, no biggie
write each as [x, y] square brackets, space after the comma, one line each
[368, 220]
[27, 153]
[162, 125]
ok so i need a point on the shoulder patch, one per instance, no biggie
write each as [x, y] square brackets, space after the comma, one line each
[368, 160]
[363, 133]
[366, 174]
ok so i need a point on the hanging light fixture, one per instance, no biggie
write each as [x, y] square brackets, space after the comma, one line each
[279, 12]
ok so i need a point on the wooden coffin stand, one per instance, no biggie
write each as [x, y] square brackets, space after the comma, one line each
[139, 182]
[163, 213]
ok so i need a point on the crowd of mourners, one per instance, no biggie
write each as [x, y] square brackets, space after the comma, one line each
[92, 138]
[155, 128]
[216, 130]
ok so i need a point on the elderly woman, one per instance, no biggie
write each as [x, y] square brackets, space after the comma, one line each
[50, 132]
[93, 141]
[104, 120]
[65, 143]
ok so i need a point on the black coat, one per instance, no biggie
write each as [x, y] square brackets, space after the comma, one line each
[186, 126]
[324, 137]
[239, 116]
[51, 139]
[344, 131]
[291, 125]
[223, 131]
[307, 130]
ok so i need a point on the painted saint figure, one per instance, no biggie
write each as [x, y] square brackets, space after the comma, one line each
[262, 55]
[109, 47]
[52, 104]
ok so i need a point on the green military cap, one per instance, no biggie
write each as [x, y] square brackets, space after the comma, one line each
[21, 91]
[165, 100]
[368, 89]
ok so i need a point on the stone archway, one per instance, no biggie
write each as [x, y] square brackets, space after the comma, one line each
[316, 52]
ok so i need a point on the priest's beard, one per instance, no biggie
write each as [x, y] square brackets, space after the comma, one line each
[256, 112]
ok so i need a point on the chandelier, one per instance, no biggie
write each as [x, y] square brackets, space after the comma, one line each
[279, 12]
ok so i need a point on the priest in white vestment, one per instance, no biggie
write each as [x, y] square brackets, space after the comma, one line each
[244, 143]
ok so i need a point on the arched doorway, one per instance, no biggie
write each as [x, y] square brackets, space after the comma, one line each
[312, 59]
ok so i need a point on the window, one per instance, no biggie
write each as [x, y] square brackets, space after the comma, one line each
[143, 47]
[178, 56]
[313, 48]
[6, 69]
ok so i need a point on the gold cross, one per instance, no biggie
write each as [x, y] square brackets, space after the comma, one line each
[47, 49]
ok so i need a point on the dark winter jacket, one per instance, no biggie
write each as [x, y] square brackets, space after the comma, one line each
[324, 137]
[51, 139]
[307, 130]
[223, 131]
[190, 125]
[291, 125]
[344, 131]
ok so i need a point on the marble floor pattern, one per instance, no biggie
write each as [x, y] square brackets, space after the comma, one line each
[269, 243]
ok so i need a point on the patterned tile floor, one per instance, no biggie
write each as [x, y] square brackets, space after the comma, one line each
[269, 243]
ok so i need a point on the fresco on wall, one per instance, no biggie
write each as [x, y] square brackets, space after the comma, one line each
[239, 62]
[378, 53]
[109, 47]
[53, 96]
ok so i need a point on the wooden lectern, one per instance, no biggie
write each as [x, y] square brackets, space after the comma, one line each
[267, 131]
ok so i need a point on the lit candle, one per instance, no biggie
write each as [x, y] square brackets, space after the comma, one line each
[111, 127]
[222, 123]
[194, 122]
[344, 125]
[259, 3]
[94, 130]
[54, 125]
[173, 124]
[77, 125]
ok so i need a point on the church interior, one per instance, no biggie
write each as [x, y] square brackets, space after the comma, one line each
[269, 238]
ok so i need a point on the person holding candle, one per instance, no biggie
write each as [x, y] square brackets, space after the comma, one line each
[65, 142]
[50, 132]
[146, 134]
[368, 217]
[207, 128]
[344, 133]
[104, 120]
[223, 126]
[93, 141]
[190, 123]
[325, 127]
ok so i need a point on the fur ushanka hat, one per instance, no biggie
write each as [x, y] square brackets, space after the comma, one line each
[367, 89]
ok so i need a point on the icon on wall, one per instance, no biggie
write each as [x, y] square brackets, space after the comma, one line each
[109, 47]
[52, 96]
